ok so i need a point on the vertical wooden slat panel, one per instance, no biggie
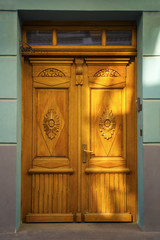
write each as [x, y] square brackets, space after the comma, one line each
[68, 194]
[64, 197]
[36, 206]
[123, 207]
[50, 184]
[103, 190]
[94, 192]
[125, 194]
[60, 193]
[116, 193]
[111, 193]
[46, 193]
[121, 191]
[107, 196]
[91, 193]
[55, 183]
[41, 194]
[33, 192]
[100, 191]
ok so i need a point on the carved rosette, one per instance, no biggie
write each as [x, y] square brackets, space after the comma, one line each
[51, 123]
[51, 72]
[107, 124]
[106, 73]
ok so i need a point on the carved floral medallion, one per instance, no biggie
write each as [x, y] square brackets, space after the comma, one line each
[51, 123]
[51, 72]
[107, 124]
[106, 73]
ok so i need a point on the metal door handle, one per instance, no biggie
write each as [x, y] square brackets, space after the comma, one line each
[84, 152]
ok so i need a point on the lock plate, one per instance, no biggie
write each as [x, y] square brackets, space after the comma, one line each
[84, 155]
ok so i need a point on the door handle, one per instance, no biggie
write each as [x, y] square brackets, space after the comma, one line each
[84, 152]
[88, 151]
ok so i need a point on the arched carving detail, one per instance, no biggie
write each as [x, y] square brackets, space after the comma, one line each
[106, 73]
[51, 72]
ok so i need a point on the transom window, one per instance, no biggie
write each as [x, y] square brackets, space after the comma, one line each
[84, 36]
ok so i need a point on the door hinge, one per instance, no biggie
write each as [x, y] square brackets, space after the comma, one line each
[139, 105]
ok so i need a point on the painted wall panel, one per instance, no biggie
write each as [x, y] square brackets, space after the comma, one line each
[151, 77]
[81, 5]
[140, 126]
[8, 79]
[151, 187]
[8, 118]
[151, 33]
[7, 188]
[19, 116]
[8, 30]
[151, 121]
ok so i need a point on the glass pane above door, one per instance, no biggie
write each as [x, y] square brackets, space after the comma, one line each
[119, 38]
[79, 38]
[39, 37]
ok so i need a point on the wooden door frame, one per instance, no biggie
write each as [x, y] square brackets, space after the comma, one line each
[27, 84]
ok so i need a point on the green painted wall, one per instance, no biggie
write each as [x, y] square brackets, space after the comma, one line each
[151, 33]
[8, 117]
[140, 124]
[151, 121]
[8, 79]
[19, 114]
[151, 77]
[8, 121]
[91, 5]
[151, 118]
[8, 36]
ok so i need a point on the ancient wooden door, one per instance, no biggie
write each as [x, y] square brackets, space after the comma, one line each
[79, 140]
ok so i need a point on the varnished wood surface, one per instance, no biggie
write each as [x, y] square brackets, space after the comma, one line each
[107, 170]
[108, 217]
[52, 170]
[86, 101]
[49, 218]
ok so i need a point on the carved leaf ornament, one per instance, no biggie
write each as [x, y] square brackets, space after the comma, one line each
[107, 124]
[106, 73]
[51, 72]
[51, 124]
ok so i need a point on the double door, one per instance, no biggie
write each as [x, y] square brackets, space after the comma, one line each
[79, 140]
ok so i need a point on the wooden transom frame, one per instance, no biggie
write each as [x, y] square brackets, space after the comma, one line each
[101, 50]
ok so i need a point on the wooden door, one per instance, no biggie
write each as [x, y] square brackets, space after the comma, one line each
[71, 107]
[109, 132]
[50, 146]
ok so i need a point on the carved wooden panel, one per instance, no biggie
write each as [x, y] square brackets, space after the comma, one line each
[108, 70]
[106, 122]
[106, 73]
[51, 122]
[79, 71]
[50, 193]
[107, 193]
[51, 72]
